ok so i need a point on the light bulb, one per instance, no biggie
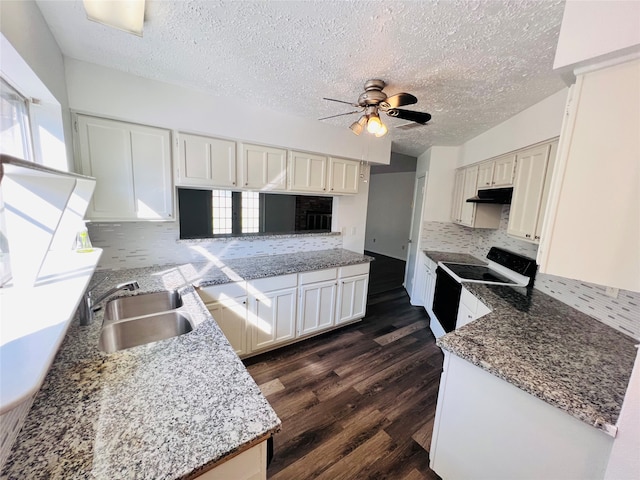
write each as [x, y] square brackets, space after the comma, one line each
[374, 124]
[382, 131]
[357, 127]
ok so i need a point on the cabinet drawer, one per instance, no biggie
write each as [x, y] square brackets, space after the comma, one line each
[219, 292]
[351, 270]
[318, 276]
[273, 283]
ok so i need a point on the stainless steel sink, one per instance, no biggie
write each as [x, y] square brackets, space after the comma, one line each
[139, 305]
[142, 330]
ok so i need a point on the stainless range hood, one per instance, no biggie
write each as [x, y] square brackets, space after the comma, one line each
[493, 195]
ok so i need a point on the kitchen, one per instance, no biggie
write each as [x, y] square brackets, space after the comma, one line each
[89, 86]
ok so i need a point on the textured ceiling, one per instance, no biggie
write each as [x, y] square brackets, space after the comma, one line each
[471, 64]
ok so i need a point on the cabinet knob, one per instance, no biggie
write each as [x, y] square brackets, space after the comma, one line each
[537, 237]
[246, 183]
[244, 302]
[528, 236]
[233, 183]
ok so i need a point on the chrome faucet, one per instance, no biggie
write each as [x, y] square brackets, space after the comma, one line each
[88, 305]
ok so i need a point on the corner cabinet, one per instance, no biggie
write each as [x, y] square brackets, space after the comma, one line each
[206, 161]
[132, 167]
[263, 168]
[534, 169]
[343, 175]
[592, 227]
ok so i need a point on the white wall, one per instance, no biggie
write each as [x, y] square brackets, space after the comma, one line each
[24, 27]
[389, 213]
[112, 93]
[537, 123]
[593, 30]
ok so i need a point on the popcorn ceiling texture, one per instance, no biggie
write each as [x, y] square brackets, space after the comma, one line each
[471, 64]
[622, 313]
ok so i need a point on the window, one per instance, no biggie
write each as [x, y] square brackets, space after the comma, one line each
[15, 136]
[207, 213]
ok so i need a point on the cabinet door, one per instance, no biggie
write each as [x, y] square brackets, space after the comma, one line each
[264, 168]
[231, 316]
[467, 210]
[485, 175]
[458, 187]
[317, 307]
[273, 318]
[551, 163]
[531, 167]
[343, 175]
[352, 298]
[430, 286]
[503, 171]
[308, 172]
[206, 161]
[132, 167]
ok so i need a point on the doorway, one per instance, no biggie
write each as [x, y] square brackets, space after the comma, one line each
[414, 236]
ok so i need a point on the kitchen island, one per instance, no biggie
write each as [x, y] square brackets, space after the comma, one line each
[533, 388]
[170, 409]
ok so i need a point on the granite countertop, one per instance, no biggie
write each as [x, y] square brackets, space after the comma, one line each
[550, 350]
[166, 410]
[453, 257]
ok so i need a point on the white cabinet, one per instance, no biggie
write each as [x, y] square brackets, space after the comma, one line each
[132, 167]
[534, 168]
[496, 173]
[592, 227]
[248, 465]
[429, 284]
[272, 311]
[227, 304]
[470, 308]
[264, 168]
[352, 293]
[317, 301]
[343, 175]
[206, 161]
[472, 214]
[307, 172]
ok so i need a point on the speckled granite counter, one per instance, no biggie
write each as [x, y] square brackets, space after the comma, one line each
[166, 410]
[453, 257]
[549, 350]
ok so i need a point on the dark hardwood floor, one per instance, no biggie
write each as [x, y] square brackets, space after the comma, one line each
[359, 402]
[386, 273]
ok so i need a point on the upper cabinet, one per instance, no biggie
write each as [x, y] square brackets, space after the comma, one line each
[132, 167]
[534, 168]
[206, 161]
[497, 173]
[263, 168]
[308, 172]
[472, 214]
[592, 228]
[343, 175]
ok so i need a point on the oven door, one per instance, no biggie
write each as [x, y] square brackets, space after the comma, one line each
[446, 300]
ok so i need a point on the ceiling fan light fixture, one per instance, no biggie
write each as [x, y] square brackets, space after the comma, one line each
[125, 15]
[374, 125]
[358, 127]
[382, 131]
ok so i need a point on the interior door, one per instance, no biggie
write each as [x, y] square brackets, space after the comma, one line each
[414, 235]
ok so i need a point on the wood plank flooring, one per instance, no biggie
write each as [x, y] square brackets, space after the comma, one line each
[356, 403]
[386, 273]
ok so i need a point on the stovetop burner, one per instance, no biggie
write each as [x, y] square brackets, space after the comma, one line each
[478, 273]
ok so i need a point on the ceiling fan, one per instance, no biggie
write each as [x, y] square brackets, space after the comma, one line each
[372, 101]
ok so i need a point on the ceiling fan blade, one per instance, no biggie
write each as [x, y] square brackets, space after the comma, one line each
[400, 100]
[340, 115]
[341, 101]
[418, 117]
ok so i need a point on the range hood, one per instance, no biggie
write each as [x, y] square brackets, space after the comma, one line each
[493, 195]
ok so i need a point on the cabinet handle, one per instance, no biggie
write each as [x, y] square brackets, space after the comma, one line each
[528, 236]
[246, 183]
[537, 237]
[233, 183]
[257, 300]
[244, 302]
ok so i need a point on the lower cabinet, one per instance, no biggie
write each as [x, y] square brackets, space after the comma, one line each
[263, 314]
[317, 301]
[470, 308]
[248, 465]
[429, 267]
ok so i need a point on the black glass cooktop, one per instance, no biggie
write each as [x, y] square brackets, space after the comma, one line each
[478, 273]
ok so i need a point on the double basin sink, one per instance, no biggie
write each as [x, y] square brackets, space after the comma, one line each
[141, 319]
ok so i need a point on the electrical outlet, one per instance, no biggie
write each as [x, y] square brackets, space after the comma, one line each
[611, 292]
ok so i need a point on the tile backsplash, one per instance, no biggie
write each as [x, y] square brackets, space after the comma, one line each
[622, 313]
[144, 244]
